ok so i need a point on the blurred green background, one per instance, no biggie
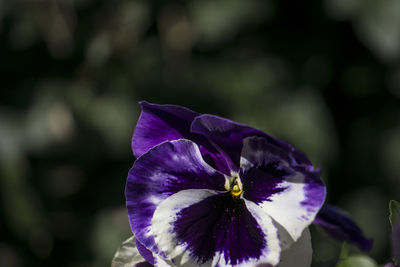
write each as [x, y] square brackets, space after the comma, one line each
[323, 75]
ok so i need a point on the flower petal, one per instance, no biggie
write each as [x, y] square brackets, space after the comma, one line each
[340, 226]
[290, 194]
[229, 136]
[299, 254]
[207, 228]
[164, 170]
[160, 123]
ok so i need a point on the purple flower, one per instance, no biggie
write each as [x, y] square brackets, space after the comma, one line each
[207, 191]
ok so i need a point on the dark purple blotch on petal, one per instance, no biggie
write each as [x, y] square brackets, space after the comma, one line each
[220, 223]
[340, 226]
[261, 183]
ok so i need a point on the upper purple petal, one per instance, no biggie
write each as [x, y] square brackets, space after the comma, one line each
[340, 226]
[160, 123]
[164, 170]
[229, 136]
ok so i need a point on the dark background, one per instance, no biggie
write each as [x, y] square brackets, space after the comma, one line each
[323, 75]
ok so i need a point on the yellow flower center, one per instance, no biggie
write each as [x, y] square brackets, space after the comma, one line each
[234, 185]
[236, 191]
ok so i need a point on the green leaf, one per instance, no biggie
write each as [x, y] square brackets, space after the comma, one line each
[357, 261]
[127, 254]
[394, 210]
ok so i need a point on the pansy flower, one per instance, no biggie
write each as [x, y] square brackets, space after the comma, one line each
[207, 191]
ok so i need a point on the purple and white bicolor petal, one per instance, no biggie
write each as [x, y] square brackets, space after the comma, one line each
[340, 226]
[209, 228]
[292, 196]
[165, 170]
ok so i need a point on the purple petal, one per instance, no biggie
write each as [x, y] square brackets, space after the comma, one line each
[291, 194]
[340, 226]
[198, 227]
[164, 170]
[229, 136]
[160, 123]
